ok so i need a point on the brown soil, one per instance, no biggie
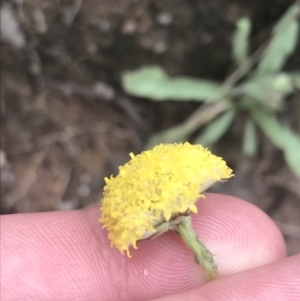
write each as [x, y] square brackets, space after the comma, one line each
[66, 123]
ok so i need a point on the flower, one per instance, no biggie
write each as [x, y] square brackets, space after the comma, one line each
[157, 186]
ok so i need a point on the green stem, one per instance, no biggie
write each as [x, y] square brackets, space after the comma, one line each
[202, 254]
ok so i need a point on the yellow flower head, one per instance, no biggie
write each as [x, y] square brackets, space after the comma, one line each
[156, 186]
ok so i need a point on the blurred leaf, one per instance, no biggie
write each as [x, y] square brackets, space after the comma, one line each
[293, 159]
[283, 137]
[250, 139]
[240, 42]
[295, 76]
[269, 90]
[282, 44]
[291, 14]
[154, 83]
[172, 135]
[283, 84]
[216, 129]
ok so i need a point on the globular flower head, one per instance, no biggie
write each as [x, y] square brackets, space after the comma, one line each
[156, 186]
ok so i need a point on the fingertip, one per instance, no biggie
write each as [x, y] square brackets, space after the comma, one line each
[275, 281]
[73, 251]
[239, 234]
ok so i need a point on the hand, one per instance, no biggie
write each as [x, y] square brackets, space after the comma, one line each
[67, 256]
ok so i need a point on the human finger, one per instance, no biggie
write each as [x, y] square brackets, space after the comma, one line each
[66, 255]
[276, 281]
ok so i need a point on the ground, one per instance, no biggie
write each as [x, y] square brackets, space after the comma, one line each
[66, 122]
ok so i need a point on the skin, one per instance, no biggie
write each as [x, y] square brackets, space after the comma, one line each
[67, 256]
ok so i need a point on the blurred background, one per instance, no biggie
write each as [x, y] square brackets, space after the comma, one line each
[83, 83]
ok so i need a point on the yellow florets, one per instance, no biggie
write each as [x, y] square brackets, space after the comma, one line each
[154, 186]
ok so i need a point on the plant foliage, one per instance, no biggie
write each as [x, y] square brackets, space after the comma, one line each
[258, 86]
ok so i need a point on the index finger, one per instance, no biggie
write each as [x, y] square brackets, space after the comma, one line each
[67, 256]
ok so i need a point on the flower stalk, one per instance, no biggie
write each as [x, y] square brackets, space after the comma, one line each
[202, 255]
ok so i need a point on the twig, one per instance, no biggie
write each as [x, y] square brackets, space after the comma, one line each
[70, 10]
[101, 91]
[126, 105]
[27, 181]
[65, 183]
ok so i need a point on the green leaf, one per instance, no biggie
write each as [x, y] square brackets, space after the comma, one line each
[172, 135]
[293, 159]
[295, 76]
[283, 137]
[240, 41]
[283, 84]
[216, 129]
[269, 90]
[282, 44]
[291, 14]
[250, 139]
[154, 83]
